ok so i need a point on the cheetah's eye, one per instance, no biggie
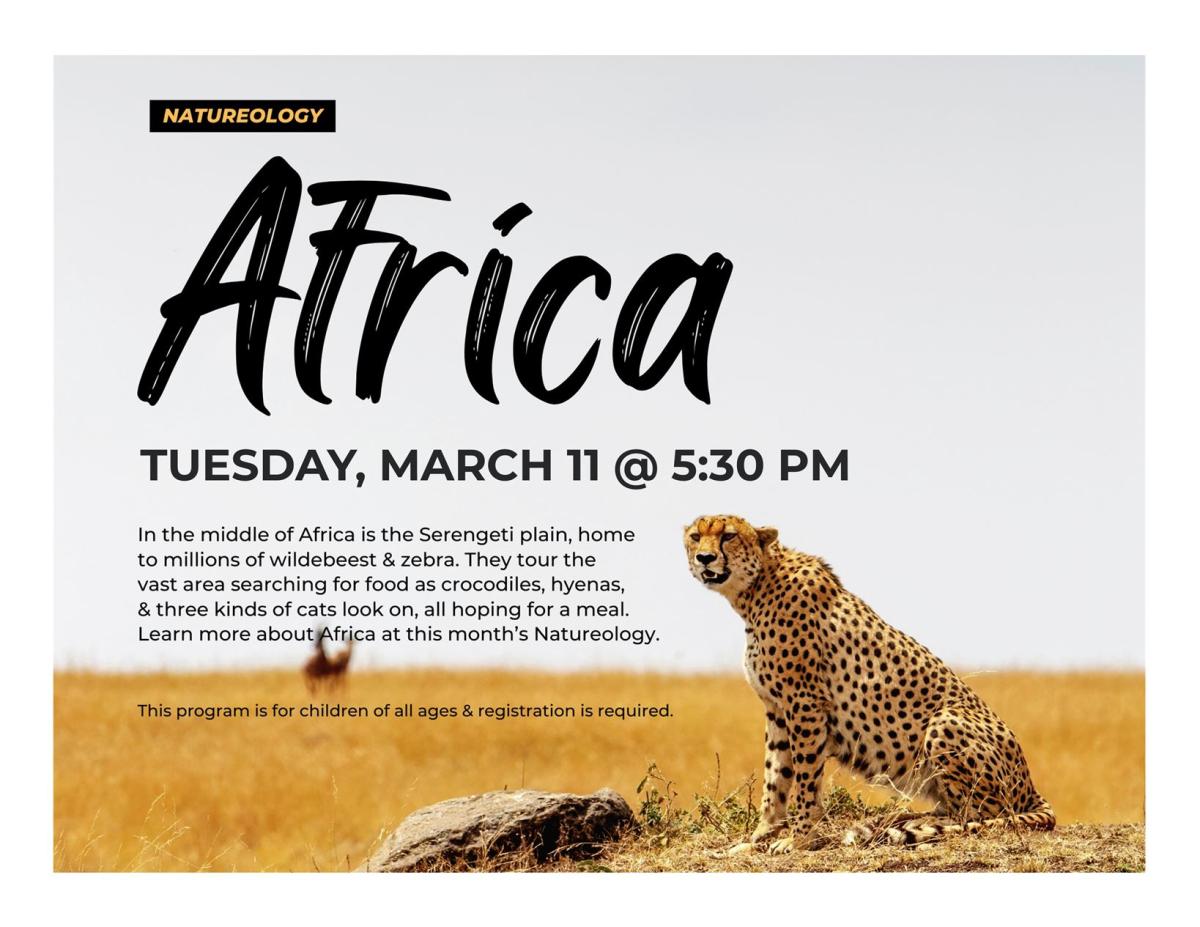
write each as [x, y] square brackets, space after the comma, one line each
[696, 537]
[728, 535]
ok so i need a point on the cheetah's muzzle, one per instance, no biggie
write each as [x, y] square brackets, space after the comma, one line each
[713, 579]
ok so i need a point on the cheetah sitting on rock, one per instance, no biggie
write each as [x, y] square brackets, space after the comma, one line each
[837, 681]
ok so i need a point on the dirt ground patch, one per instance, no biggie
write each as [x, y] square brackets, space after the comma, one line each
[1073, 848]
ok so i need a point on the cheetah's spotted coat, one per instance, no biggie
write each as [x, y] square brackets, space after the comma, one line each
[837, 681]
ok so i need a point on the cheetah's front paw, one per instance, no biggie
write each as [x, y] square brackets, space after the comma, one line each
[782, 845]
[765, 833]
[761, 839]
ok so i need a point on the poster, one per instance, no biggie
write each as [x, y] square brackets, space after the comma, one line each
[461, 461]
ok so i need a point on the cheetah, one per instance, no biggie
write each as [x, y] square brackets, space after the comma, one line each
[837, 681]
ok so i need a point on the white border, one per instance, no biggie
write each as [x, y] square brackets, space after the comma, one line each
[1163, 32]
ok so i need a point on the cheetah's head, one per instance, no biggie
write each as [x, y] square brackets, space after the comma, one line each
[727, 553]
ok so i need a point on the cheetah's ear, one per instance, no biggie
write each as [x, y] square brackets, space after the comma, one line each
[767, 536]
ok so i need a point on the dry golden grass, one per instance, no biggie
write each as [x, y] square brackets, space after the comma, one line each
[297, 794]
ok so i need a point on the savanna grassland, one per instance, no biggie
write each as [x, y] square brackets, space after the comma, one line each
[135, 793]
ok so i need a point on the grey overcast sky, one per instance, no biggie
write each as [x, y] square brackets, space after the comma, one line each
[937, 265]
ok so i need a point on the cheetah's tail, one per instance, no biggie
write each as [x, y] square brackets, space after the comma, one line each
[928, 828]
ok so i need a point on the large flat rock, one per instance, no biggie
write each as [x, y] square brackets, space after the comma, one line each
[467, 831]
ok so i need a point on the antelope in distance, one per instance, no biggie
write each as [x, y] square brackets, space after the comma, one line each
[321, 669]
